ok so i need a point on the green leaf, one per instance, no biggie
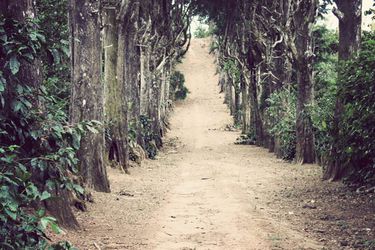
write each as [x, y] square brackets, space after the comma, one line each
[41, 37]
[2, 83]
[324, 124]
[66, 50]
[29, 56]
[55, 228]
[28, 104]
[76, 141]
[14, 65]
[11, 214]
[41, 212]
[12, 206]
[4, 38]
[45, 195]
[92, 129]
[32, 191]
[45, 221]
[56, 56]
[17, 106]
[78, 189]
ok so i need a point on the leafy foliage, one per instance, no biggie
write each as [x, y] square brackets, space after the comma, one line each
[281, 118]
[325, 89]
[56, 69]
[233, 71]
[202, 32]
[357, 125]
[148, 137]
[38, 146]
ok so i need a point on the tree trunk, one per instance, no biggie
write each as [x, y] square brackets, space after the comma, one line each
[237, 105]
[87, 89]
[349, 14]
[305, 150]
[304, 17]
[245, 106]
[154, 108]
[145, 80]
[132, 64]
[255, 119]
[112, 97]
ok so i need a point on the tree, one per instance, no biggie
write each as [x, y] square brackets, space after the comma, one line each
[349, 14]
[303, 18]
[87, 89]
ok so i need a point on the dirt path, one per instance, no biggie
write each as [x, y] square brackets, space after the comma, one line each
[203, 192]
[214, 204]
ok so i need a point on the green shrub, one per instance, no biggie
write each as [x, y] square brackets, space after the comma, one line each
[323, 107]
[38, 146]
[202, 32]
[281, 121]
[148, 137]
[357, 126]
[325, 90]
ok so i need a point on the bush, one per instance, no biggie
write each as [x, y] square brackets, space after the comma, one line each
[322, 109]
[281, 121]
[38, 146]
[357, 126]
[148, 137]
[325, 90]
[202, 32]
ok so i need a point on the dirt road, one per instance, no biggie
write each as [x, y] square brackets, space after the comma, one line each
[203, 192]
[215, 204]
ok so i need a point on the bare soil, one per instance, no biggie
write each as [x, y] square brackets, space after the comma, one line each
[205, 192]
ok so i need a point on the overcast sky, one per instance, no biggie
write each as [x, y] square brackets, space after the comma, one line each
[332, 22]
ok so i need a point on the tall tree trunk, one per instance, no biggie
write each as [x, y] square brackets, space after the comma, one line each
[349, 14]
[237, 105]
[304, 17]
[112, 89]
[132, 64]
[145, 80]
[87, 89]
[256, 123]
[154, 108]
[244, 105]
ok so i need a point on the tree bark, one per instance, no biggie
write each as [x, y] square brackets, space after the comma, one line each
[244, 106]
[145, 80]
[303, 17]
[237, 104]
[87, 90]
[132, 66]
[349, 14]
[111, 88]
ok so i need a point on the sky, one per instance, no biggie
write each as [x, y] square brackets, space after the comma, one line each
[333, 23]
[331, 20]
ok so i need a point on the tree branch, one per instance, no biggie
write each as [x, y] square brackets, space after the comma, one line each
[338, 14]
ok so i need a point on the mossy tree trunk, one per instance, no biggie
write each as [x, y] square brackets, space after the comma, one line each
[87, 89]
[115, 147]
